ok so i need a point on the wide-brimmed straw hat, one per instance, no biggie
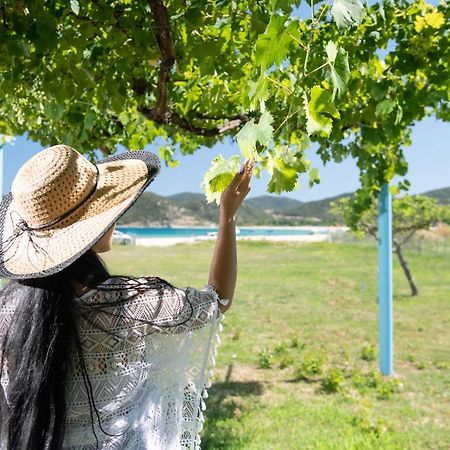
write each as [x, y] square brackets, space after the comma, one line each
[61, 204]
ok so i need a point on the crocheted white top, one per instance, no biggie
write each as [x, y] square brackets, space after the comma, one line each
[148, 381]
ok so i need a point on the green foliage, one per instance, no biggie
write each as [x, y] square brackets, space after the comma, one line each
[265, 357]
[312, 364]
[219, 176]
[333, 380]
[384, 386]
[369, 424]
[286, 361]
[273, 46]
[369, 352]
[347, 12]
[410, 214]
[319, 111]
[87, 73]
[252, 133]
[339, 70]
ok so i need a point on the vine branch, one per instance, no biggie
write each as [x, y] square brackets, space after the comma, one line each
[161, 113]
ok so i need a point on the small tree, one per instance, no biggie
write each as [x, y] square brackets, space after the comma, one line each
[410, 214]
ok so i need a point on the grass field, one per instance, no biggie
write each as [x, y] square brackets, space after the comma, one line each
[298, 363]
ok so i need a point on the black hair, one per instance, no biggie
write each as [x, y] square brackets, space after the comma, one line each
[36, 348]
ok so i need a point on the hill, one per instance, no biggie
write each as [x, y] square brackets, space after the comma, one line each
[190, 209]
[185, 209]
[441, 195]
[287, 209]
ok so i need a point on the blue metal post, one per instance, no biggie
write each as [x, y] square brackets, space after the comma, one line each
[385, 280]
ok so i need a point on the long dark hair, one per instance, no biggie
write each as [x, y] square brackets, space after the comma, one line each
[36, 346]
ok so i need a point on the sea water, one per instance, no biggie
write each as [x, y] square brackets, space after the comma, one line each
[139, 232]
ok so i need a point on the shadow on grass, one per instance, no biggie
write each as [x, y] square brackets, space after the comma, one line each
[224, 409]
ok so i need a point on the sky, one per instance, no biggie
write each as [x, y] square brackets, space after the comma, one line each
[428, 158]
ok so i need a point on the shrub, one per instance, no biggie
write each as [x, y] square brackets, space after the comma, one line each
[265, 358]
[311, 364]
[384, 386]
[358, 380]
[369, 424]
[333, 380]
[369, 352]
[236, 335]
[295, 342]
[281, 348]
[286, 361]
[441, 365]
[421, 365]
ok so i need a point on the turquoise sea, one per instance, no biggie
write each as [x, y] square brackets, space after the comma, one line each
[193, 232]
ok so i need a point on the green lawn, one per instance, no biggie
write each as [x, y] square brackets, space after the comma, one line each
[290, 372]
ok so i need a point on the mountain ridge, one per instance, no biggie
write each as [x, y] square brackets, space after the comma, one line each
[191, 209]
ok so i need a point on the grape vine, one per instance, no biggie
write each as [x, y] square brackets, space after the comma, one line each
[348, 79]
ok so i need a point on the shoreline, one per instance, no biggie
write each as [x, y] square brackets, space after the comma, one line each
[318, 234]
[165, 242]
[315, 228]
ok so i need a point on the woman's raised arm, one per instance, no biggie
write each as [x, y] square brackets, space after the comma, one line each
[223, 270]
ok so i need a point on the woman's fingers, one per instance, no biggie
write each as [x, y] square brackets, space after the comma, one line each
[246, 177]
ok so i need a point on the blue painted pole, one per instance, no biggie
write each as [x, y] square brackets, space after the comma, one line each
[385, 281]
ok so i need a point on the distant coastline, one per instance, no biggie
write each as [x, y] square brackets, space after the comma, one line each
[164, 236]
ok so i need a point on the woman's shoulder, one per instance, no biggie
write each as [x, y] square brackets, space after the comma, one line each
[118, 287]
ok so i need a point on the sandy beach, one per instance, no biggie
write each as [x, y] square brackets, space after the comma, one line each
[321, 234]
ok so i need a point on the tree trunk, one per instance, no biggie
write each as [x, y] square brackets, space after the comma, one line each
[407, 272]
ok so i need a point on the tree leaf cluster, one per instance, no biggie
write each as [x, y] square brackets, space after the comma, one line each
[349, 79]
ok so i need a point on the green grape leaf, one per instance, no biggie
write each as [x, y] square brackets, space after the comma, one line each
[283, 177]
[314, 176]
[252, 132]
[318, 111]
[272, 47]
[284, 165]
[433, 19]
[284, 5]
[75, 6]
[347, 12]
[384, 107]
[331, 51]
[258, 92]
[6, 139]
[89, 120]
[53, 110]
[302, 142]
[166, 153]
[340, 72]
[219, 176]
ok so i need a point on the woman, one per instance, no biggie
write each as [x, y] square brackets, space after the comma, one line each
[90, 360]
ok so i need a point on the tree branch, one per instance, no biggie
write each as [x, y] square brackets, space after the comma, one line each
[161, 113]
[174, 118]
[165, 44]
[408, 236]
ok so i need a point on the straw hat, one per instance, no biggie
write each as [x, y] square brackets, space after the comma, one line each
[61, 204]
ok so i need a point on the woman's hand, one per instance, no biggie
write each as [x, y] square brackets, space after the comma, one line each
[237, 190]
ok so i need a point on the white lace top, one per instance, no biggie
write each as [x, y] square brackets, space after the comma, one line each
[148, 381]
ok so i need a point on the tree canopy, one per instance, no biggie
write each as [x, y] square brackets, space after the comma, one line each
[351, 79]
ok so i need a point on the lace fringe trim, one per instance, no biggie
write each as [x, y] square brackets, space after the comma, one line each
[211, 362]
